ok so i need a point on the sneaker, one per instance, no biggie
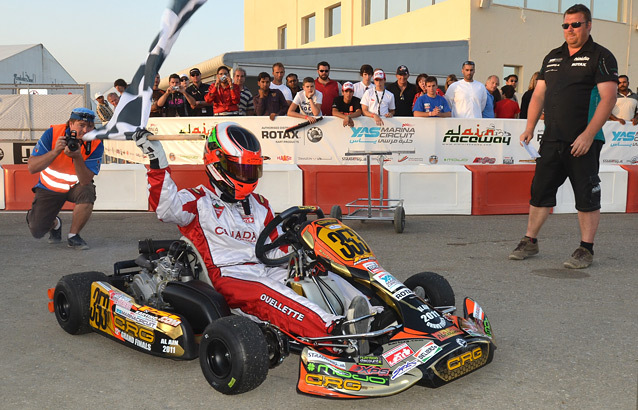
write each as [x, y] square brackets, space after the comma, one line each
[524, 249]
[55, 235]
[77, 242]
[358, 308]
[581, 258]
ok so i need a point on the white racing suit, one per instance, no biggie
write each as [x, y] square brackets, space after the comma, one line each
[225, 237]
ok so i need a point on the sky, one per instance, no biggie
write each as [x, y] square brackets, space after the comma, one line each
[100, 41]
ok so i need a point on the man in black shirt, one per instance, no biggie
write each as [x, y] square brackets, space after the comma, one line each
[577, 88]
[198, 90]
[404, 92]
[175, 101]
[347, 106]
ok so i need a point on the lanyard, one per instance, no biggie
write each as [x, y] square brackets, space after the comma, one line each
[379, 101]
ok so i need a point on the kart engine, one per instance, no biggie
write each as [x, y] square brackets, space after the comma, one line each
[180, 263]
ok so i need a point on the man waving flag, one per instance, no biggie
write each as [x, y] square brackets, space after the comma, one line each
[134, 108]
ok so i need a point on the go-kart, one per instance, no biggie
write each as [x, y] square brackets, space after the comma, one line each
[163, 303]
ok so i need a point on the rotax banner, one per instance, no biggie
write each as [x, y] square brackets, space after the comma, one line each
[411, 140]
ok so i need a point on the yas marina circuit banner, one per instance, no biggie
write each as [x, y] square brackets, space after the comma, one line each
[407, 141]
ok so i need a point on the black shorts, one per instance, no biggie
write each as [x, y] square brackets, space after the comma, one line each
[556, 164]
[47, 204]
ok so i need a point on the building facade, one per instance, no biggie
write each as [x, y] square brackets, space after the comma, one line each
[503, 36]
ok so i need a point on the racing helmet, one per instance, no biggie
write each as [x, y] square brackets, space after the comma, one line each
[233, 161]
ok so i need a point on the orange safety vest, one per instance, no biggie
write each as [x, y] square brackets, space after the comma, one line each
[60, 175]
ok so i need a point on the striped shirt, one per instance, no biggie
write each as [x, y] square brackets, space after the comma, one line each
[245, 101]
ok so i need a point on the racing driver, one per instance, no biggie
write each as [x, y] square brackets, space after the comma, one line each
[224, 220]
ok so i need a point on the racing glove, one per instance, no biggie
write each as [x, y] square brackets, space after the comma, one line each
[153, 149]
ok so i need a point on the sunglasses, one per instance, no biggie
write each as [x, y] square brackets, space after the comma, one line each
[468, 62]
[575, 24]
[324, 71]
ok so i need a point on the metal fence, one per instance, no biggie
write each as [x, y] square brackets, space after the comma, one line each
[27, 110]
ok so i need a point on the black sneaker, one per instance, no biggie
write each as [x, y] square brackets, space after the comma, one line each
[55, 235]
[77, 242]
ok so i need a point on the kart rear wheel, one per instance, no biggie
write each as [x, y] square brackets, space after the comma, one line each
[71, 300]
[233, 355]
[432, 287]
[336, 213]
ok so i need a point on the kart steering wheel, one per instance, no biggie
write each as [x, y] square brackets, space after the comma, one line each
[290, 220]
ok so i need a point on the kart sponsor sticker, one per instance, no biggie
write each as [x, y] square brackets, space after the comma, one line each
[461, 342]
[249, 219]
[370, 360]
[478, 311]
[387, 281]
[433, 320]
[447, 333]
[318, 357]
[427, 352]
[335, 226]
[403, 293]
[120, 299]
[141, 318]
[404, 368]
[398, 354]
[370, 370]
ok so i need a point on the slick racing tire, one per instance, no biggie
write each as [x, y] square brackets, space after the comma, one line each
[335, 212]
[71, 300]
[233, 355]
[432, 287]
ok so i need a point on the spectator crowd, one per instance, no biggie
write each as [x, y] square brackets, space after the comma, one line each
[311, 98]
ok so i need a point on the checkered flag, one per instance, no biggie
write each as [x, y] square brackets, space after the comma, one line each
[134, 108]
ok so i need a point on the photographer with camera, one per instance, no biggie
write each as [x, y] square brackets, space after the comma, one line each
[67, 166]
[175, 100]
[223, 94]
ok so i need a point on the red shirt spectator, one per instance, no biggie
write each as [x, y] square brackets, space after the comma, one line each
[506, 108]
[328, 88]
[223, 95]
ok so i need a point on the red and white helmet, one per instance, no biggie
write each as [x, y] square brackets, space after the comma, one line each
[233, 161]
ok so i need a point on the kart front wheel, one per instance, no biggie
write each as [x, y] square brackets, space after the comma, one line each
[233, 355]
[71, 300]
[432, 287]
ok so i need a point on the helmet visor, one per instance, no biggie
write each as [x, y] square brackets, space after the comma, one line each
[242, 172]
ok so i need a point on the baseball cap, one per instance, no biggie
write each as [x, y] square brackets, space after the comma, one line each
[183, 77]
[195, 71]
[82, 114]
[347, 86]
[403, 70]
[378, 74]
[98, 95]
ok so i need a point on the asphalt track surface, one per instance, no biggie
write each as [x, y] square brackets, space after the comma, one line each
[566, 339]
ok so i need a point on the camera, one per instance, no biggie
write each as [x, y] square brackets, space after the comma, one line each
[72, 141]
[223, 78]
[176, 88]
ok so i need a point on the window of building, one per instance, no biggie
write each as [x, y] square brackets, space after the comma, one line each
[600, 9]
[378, 10]
[308, 29]
[333, 20]
[282, 34]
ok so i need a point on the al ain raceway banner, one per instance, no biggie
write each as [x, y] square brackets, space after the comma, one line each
[410, 141]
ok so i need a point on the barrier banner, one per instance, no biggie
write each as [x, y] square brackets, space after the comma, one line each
[412, 140]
